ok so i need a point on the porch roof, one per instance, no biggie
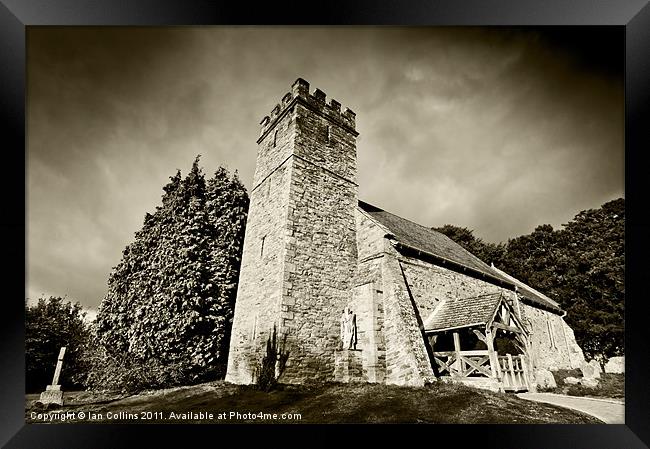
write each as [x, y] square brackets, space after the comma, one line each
[463, 312]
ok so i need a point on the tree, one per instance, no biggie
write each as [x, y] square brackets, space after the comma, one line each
[51, 323]
[592, 288]
[582, 267]
[487, 252]
[170, 299]
[532, 258]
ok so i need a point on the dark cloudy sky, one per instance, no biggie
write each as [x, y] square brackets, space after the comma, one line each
[496, 129]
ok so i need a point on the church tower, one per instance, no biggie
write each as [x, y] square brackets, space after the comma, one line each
[300, 250]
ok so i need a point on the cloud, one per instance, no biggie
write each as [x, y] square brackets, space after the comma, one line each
[495, 129]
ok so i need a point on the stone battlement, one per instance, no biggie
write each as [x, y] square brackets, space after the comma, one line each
[315, 101]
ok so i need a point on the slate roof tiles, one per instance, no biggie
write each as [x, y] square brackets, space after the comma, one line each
[435, 243]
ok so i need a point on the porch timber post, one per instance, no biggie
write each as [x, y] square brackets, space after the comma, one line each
[512, 369]
[527, 362]
[459, 362]
[524, 363]
[494, 362]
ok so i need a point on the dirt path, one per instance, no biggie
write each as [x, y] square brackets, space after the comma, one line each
[611, 411]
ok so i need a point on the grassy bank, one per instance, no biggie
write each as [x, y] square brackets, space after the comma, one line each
[330, 403]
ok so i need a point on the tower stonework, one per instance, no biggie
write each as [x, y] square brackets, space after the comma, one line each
[300, 248]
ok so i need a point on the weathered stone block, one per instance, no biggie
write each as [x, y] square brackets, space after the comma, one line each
[348, 366]
[544, 378]
[587, 382]
[52, 395]
[590, 370]
[615, 365]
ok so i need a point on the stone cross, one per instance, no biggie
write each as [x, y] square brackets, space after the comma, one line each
[53, 393]
[59, 365]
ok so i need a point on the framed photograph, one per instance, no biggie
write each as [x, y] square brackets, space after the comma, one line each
[424, 213]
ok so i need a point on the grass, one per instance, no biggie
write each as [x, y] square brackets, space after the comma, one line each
[609, 385]
[327, 403]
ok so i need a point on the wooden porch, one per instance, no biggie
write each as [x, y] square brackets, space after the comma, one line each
[505, 368]
[510, 372]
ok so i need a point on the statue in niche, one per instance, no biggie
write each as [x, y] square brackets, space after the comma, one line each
[349, 329]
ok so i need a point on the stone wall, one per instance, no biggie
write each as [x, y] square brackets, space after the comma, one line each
[576, 356]
[370, 237]
[367, 304]
[407, 360]
[321, 261]
[552, 340]
[430, 284]
[367, 297]
[348, 366]
[553, 344]
[402, 358]
[259, 293]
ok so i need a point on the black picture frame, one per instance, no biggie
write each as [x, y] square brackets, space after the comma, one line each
[16, 15]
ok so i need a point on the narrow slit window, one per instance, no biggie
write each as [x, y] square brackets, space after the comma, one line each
[275, 138]
[328, 134]
[262, 247]
[550, 333]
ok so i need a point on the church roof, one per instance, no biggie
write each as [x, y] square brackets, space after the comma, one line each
[527, 289]
[426, 240]
[463, 312]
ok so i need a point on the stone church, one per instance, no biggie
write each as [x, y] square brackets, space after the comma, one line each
[424, 308]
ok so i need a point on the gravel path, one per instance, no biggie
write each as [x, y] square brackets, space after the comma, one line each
[611, 411]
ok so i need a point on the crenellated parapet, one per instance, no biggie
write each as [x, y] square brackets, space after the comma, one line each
[316, 101]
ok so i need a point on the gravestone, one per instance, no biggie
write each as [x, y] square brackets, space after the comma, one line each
[53, 393]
